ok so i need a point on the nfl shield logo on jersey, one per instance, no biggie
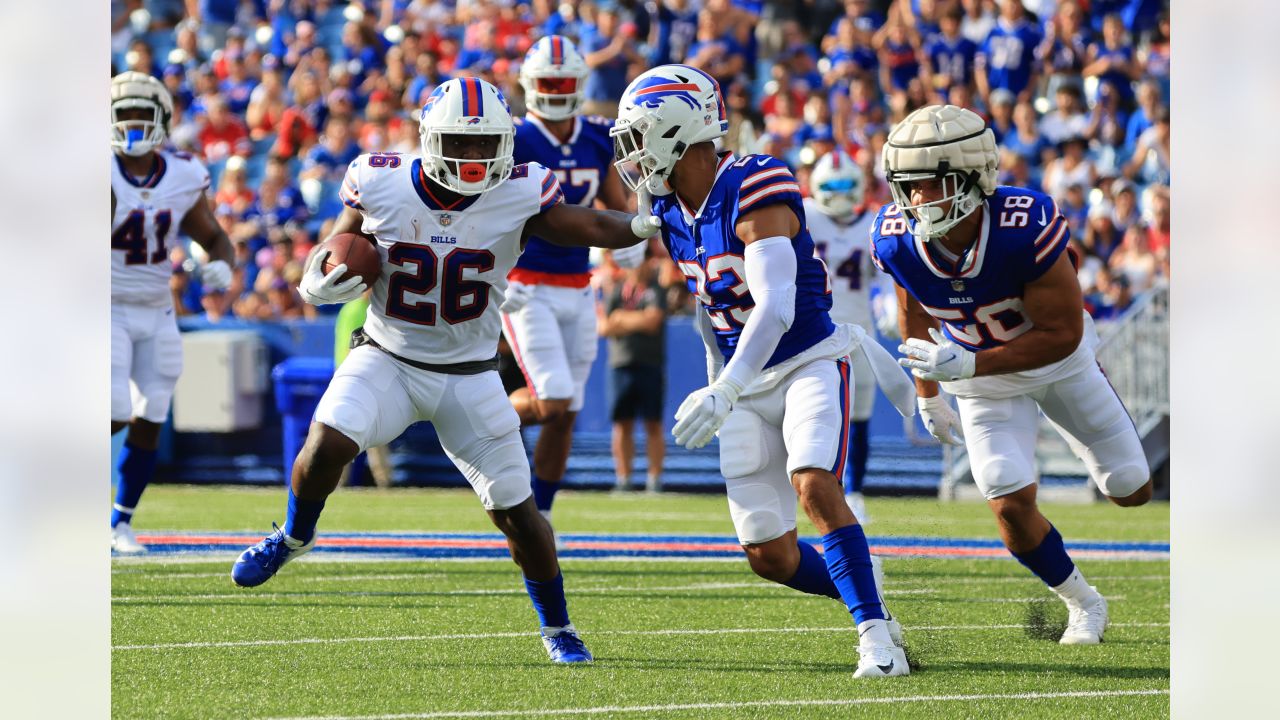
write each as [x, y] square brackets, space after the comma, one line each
[446, 219]
[957, 285]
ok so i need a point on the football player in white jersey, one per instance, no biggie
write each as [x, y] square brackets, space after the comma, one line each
[840, 225]
[992, 264]
[549, 316]
[155, 194]
[449, 227]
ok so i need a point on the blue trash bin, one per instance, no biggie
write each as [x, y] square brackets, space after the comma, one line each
[299, 381]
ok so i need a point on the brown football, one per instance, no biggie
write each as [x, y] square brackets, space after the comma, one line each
[360, 256]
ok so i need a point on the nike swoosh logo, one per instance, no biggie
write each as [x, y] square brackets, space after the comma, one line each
[1043, 220]
[762, 161]
[886, 669]
[950, 357]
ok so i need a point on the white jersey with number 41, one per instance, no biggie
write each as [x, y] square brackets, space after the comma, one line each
[846, 252]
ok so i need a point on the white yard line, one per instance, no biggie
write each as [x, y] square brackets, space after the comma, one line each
[608, 709]
[591, 633]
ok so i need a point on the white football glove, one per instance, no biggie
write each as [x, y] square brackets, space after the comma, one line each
[320, 289]
[644, 225]
[630, 257]
[702, 413]
[517, 296]
[216, 275]
[940, 360]
[940, 420]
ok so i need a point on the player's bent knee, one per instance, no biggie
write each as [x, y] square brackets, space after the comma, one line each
[326, 448]
[1132, 476]
[1000, 477]
[773, 561]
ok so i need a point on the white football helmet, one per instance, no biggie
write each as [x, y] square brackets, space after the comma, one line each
[662, 113]
[466, 106]
[132, 90]
[947, 143]
[553, 75]
[837, 184]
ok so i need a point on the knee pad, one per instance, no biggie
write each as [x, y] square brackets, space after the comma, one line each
[500, 474]
[1001, 476]
[756, 512]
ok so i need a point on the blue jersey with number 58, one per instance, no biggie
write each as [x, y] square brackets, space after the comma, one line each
[710, 255]
[977, 296]
[580, 165]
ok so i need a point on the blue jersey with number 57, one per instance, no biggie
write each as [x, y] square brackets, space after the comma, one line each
[580, 165]
[977, 296]
[710, 255]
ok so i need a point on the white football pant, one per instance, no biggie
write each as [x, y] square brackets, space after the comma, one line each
[373, 398]
[146, 360]
[554, 340]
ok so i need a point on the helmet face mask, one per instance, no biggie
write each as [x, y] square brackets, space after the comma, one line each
[947, 145]
[462, 119]
[553, 76]
[664, 112]
[140, 112]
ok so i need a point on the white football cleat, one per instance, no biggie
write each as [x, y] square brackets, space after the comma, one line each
[858, 506]
[123, 540]
[881, 661]
[1086, 623]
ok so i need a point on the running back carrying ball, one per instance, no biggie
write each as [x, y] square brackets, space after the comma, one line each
[359, 255]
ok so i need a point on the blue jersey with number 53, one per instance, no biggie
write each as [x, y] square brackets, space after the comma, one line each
[580, 165]
[977, 296]
[710, 255]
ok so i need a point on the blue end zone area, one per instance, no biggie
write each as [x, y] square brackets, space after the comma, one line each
[492, 545]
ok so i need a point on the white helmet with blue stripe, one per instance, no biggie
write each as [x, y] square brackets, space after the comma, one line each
[663, 113]
[837, 184]
[467, 106]
[553, 76]
[137, 136]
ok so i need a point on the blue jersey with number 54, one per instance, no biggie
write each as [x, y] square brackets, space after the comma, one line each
[710, 255]
[977, 296]
[580, 165]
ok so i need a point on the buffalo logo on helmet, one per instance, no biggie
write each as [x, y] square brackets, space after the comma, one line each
[652, 91]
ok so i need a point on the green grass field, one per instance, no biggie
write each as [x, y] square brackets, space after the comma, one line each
[672, 638]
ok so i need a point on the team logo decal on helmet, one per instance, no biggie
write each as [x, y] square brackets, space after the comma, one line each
[553, 76]
[137, 136]
[664, 112]
[466, 106]
[946, 143]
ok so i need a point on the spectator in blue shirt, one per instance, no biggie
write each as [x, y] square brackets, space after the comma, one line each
[1007, 58]
[428, 79]
[1026, 139]
[717, 51]
[1113, 61]
[948, 56]
[1144, 116]
[1065, 49]
[238, 85]
[329, 158]
[899, 65]
[865, 17]
[608, 49]
[673, 32]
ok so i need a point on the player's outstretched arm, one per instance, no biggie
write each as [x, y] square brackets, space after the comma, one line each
[1054, 304]
[575, 226]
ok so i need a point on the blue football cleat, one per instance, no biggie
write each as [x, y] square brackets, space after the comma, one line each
[564, 646]
[260, 562]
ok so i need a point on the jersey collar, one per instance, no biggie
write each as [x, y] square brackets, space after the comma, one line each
[150, 181]
[969, 263]
[423, 187]
[550, 136]
[725, 161]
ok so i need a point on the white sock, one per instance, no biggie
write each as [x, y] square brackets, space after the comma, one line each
[874, 632]
[1075, 590]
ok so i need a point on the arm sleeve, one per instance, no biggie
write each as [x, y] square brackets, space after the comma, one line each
[715, 361]
[770, 266]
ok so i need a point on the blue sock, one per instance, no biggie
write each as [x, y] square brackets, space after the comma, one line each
[548, 601]
[859, 448]
[544, 493]
[300, 522]
[849, 562]
[137, 467]
[1049, 561]
[811, 575]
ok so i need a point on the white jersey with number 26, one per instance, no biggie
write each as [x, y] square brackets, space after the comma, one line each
[444, 266]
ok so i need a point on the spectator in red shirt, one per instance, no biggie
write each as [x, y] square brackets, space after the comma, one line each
[223, 134]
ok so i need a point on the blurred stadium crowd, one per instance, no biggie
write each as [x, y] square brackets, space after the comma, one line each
[278, 96]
